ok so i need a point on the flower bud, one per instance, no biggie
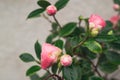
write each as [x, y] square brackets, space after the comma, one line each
[110, 32]
[66, 60]
[114, 19]
[96, 21]
[49, 55]
[116, 7]
[51, 10]
[94, 32]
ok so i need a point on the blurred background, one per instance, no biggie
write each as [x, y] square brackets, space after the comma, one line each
[18, 35]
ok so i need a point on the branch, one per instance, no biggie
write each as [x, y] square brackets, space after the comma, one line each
[57, 21]
[94, 66]
[54, 75]
[47, 18]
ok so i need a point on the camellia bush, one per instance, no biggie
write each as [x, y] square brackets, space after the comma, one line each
[75, 51]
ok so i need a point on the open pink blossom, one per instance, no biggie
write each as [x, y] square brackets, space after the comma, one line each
[116, 7]
[51, 10]
[95, 21]
[114, 19]
[66, 60]
[49, 55]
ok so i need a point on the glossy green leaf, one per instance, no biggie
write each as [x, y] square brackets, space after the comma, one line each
[77, 32]
[54, 27]
[50, 38]
[37, 48]
[88, 53]
[117, 1]
[43, 3]
[61, 4]
[70, 43]
[72, 72]
[67, 29]
[54, 68]
[26, 57]
[107, 28]
[59, 43]
[93, 46]
[32, 70]
[114, 45]
[113, 57]
[35, 77]
[86, 67]
[106, 66]
[44, 76]
[35, 13]
[106, 38]
[95, 78]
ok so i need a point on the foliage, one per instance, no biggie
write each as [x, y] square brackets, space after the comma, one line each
[76, 40]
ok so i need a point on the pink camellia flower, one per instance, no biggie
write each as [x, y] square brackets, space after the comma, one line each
[116, 7]
[49, 55]
[66, 60]
[51, 10]
[96, 21]
[114, 19]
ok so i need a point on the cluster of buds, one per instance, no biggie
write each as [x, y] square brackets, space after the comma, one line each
[114, 19]
[116, 7]
[96, 23]
[50, 54]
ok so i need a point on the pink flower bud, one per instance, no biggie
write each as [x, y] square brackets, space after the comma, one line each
[51, 10]
[49, 55]
[114, 19]
[66, 60]
[96, 21]
[116, 7]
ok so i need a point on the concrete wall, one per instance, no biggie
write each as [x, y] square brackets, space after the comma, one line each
[18, 35]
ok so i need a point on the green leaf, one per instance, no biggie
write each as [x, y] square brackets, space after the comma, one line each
[86, 67]
[95, 78]
[93, 46]
[44, 76]
[54, 68]
[113, 57]
[114, 45]
[35, 77]
[107, 38]
[61, 4]
[54, 27]
[117, 38]
[32, 70]
[37, 48]
[72, 72]
[67, 29]
[108, 27]
[26, 57]
[88, 53]
[117, 1]
[35, 13]
[50, 38]
[77, 32]
[106, 66]
[70, 43]
[43, 3]
[59, 43]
